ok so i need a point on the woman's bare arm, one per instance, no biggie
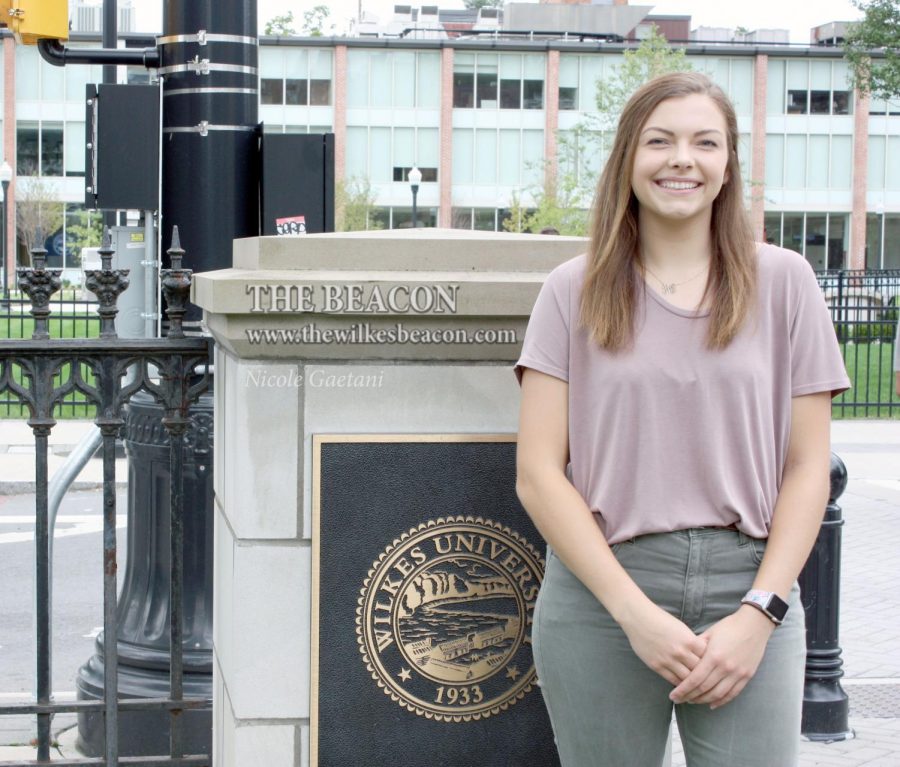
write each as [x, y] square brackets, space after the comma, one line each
[559, 512]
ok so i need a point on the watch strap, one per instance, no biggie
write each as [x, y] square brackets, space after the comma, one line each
[768, 603]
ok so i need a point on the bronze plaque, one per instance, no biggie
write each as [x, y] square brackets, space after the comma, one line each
[426, 570]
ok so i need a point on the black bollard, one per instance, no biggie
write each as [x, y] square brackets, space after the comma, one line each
[826, 707]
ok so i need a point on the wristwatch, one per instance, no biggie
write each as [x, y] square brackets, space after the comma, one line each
[768, 603]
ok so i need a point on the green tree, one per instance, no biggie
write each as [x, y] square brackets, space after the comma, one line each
[555, 210]
[652, 58]
[354, 202]
[281, 26]
[878, 31]
[474, 5]
[39, 212]
[314, 21]
[84, 229]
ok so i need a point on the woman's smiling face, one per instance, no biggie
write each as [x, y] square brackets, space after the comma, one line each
[681, 160]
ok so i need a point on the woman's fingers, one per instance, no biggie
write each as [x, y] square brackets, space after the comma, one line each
[735, 648]
[665, 644]
[723, 692]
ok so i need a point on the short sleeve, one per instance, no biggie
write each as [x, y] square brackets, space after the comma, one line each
[546, 344]
[816, 361]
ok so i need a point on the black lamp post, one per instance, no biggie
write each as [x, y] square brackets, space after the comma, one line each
[5, 177]
[415, 178]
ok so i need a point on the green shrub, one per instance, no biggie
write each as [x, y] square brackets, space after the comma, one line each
[873, 331]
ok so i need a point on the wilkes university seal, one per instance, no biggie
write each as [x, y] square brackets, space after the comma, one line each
[444, 618]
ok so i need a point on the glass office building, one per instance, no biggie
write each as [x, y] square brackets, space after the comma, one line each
[484, 119]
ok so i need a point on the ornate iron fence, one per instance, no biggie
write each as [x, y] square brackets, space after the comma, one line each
[865, 308]
[72, 316]
[41, 372]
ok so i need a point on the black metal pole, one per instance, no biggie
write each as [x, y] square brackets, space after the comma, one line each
[42, 584]
[208, 68]
[415, 191]
[110, 39]
[110, 36]
[209, 54]
[826, 707]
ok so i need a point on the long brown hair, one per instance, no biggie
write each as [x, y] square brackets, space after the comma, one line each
[611, 284]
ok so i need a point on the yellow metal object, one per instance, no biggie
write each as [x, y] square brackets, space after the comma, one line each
[32, 20]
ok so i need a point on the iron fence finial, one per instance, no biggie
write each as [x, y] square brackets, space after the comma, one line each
[176, 285]
[39, 283]
[106, 283]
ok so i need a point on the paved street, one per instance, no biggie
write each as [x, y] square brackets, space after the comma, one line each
[77, 598]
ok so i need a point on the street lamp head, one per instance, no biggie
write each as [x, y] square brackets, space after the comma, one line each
[6, 173]
[414, 177]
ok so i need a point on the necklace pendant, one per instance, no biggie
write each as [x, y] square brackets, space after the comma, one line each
[668, 288]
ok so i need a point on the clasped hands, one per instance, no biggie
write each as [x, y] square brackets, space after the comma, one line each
[709, 668]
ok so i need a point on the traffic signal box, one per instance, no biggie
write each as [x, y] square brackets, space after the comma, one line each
[31, 20]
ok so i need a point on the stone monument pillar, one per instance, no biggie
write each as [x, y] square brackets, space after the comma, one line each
[374, 573]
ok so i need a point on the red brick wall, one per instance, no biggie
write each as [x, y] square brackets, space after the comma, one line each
[758, 148]
[9, 148]
[860, 182]
[340, 111]
[445, 171]
[551, 117]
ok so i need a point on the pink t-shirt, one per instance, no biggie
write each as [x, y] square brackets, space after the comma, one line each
[670, 435]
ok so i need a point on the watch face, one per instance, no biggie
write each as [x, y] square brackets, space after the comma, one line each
[777, 607]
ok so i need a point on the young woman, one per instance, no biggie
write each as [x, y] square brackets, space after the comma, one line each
[674, 453]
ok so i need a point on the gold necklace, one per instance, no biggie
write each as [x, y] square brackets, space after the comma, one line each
[669, 287]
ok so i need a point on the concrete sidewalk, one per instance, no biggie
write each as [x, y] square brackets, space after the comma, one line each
[870, 598]
[17, 457]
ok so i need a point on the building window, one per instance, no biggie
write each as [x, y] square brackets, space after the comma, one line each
[395, 79]
[463, 90]
[533, 94]
[479, 219]
[271, 91]
[818, 102]
[822, 238]
[813, 87]
[840, 103]
[320, 93]
[816, 161]
[402, 174]
[882, 107]
[486, 90]
[486, 81]
[401, 217]
[28, 143]
[39, 149]
[883, 241]
[510, 97]
[568, 81]
[294, 92]
[568, 98]
[385, 155]
[798, 102]
[295, 76]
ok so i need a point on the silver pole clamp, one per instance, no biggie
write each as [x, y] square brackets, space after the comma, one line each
[200, 66]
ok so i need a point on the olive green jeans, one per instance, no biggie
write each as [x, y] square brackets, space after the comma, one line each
[608, 709]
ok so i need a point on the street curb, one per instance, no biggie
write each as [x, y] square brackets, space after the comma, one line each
[25, 487]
